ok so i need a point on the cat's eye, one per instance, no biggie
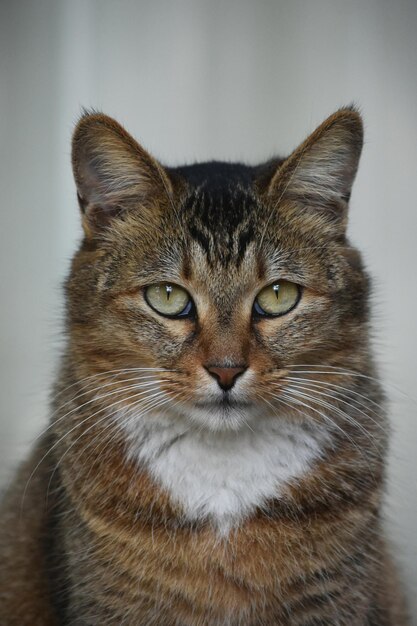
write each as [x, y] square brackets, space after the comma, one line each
[277, 299]
[168, 299]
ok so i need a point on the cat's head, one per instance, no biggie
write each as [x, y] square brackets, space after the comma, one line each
[218, 279]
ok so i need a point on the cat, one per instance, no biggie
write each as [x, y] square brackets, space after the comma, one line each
[217, 448]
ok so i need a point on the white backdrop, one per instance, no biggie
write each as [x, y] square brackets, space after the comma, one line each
[194, 80]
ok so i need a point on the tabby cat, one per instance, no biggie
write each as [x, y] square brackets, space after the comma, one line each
[217, 447]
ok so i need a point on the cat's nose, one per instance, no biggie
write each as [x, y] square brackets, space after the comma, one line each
[225, 376]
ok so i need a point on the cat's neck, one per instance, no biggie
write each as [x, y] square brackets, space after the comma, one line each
[224, 477]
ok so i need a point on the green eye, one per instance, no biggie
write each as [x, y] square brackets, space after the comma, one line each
[169, 300]
[277, 299]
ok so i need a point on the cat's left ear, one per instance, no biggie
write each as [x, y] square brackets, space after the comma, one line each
[318, 176]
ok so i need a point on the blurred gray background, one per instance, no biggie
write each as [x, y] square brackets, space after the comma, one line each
[194, 80]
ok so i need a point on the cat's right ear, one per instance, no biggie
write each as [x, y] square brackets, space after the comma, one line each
[113, 173]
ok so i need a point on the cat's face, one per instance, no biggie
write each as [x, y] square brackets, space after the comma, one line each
[218, 278]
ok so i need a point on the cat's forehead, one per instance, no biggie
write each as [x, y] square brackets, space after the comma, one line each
[225, 238]
[221, 236]
[223, 221]
[229, 232]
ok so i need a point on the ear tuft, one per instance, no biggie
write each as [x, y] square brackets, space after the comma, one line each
[112, 171]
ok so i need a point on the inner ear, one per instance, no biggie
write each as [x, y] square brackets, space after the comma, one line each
[113, 173]
[319, 174]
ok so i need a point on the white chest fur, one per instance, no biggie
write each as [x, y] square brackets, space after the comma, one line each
[224, 476]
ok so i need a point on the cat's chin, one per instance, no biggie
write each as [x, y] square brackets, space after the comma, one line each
[218, 416]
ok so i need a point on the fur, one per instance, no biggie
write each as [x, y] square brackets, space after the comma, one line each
[155, 496]
[204, 473]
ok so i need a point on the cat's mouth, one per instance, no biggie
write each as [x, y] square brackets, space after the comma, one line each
[223, 412]
[223, 403]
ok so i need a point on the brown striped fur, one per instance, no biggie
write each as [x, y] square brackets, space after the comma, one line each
[88, 535]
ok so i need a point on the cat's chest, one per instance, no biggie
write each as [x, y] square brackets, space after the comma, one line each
[224, 477]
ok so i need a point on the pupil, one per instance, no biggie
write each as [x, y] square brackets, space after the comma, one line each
[276, 290]
[168, 289]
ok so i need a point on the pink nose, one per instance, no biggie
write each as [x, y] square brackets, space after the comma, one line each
[225, 376]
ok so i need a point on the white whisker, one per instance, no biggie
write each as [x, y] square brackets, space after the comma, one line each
[349, 391]
[340, 371]
[106, 408]
[96, 398]
[293, 396]
[337, 410]
[146, 409]
[115, 372]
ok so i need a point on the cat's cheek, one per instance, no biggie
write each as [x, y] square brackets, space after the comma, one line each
[310, 326]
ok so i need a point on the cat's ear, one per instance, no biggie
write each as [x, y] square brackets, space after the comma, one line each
[113, 173]
[319, 174]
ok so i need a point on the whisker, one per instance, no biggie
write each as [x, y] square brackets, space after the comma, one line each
[152, 405]
[103, 386]
[96, 398]
[326, 418]
[123, 422]
[340, 371]
[358, 405]
[115, 372]
[343, 414]
[106, 408]
[333, 423]
[292, 408]
[347, 389]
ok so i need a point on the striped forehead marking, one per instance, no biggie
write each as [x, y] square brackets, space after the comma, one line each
[222, 222]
